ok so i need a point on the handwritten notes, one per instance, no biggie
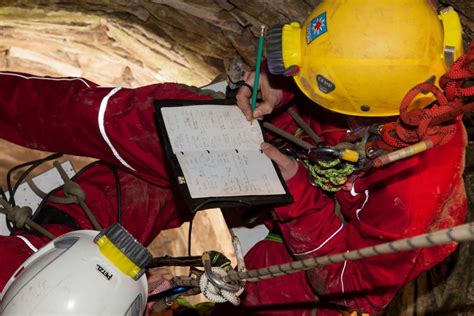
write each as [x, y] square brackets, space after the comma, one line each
[219, 152]
[206, 127]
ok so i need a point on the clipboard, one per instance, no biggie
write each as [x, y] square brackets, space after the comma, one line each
[182, 171]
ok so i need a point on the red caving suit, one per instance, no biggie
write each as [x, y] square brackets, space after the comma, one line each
[75, 116]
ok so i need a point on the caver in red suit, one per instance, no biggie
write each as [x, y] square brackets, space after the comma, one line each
[73, 115]
[421, 194]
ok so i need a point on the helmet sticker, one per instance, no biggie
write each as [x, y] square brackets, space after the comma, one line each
[316, 28]
[324, 84]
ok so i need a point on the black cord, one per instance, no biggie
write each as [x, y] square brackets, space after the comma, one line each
[2, 192]
[118, 190]
[80, 172]
[190, 231]
[118, 186]
[200, 206]
[12, 190]
[46, 198]
[7, 222]
[33, 164]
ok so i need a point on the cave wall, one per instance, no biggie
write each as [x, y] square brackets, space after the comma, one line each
[213, 30]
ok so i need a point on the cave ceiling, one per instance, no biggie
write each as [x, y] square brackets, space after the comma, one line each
[138, 42]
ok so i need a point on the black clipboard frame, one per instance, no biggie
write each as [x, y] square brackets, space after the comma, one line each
[196, 204]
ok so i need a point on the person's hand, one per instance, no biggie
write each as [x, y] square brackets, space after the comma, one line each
[271, 96]
[159, 280]
[288, 166]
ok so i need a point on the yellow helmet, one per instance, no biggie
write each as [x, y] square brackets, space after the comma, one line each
[360, 57]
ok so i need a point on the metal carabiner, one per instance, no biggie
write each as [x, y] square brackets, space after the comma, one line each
[215, 279]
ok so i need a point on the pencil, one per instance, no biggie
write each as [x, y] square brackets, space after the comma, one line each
[257, 69]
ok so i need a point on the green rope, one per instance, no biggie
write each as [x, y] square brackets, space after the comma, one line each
[330, 175]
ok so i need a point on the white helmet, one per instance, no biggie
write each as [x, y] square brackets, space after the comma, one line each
[81, 273]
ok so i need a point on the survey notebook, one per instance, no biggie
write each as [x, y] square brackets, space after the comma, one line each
[215, 155]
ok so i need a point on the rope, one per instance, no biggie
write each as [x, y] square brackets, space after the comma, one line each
[438, 122]
[72, 189]
[459, 233]
[22, 216]
[215, 294]
[329, 175]
[43, 195]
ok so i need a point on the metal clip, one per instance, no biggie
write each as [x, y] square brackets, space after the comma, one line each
[215, 279]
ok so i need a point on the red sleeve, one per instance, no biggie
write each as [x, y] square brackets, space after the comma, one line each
[309, 225]
[75, 116]
[421, 194]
